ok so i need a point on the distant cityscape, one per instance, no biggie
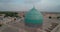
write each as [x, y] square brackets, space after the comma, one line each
[12, 19]
[50, 15]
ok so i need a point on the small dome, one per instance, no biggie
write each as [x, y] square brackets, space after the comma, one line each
[33, 17]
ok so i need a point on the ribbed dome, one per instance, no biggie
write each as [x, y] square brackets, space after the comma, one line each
[33, 17]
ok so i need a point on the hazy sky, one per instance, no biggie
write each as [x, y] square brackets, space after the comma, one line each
[24, 5]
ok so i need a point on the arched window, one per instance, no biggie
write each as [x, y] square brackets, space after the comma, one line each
[58, 17]
[0, 25]
[50, 17]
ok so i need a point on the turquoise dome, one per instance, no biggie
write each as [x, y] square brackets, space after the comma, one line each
[33, 17]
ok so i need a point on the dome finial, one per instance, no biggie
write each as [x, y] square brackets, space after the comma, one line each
[33, 5]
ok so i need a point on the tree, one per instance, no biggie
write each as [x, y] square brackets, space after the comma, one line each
[11, 14]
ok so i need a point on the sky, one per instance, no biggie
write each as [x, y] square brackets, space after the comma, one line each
[25, 5]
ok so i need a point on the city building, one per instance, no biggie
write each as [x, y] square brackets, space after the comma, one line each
[52, 15]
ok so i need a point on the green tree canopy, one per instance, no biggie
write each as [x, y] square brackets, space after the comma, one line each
[11, 14]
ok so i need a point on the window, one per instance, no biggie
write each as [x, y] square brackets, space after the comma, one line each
[50, 17]
[0, 25]
[58, 17]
